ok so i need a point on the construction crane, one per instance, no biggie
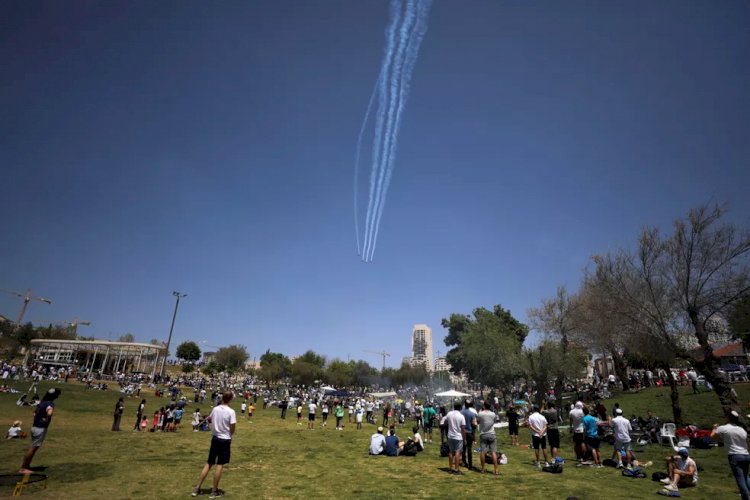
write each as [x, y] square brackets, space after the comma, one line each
[27, 297]
[379, 353]
[72, 324]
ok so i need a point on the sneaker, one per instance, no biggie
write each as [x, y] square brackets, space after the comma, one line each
[619, 465]
[535, 463]
[546, 464]
[599, 466]
[671, 487]
[666, 480]
[216, 494]
[196, 491]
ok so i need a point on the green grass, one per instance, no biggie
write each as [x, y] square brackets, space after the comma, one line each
[274, 458]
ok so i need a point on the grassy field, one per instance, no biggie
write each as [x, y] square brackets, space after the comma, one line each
[274, 458]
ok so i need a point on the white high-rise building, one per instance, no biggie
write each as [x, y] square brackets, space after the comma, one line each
[421, 346]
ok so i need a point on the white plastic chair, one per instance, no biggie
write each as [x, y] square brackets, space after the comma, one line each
[668, 432]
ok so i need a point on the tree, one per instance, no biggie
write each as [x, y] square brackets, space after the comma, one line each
[557, 318]
[487, 347]
[307, 368]
[231, 358]
[339, 373]
[673, 287]
[274, 366]
[189, 351]
[739, 320]
[546, 364]
[363, 373]
[128, 337]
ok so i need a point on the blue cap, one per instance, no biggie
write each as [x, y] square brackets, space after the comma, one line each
[683, 451]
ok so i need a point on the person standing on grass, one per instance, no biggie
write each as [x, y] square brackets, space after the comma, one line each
[553, 430]
[456, 437]
[512, 416]
[324, 412]
[428, 419]
[299, 412]
[622, 427]
[42, 419]
[576, 427]
[339, 412]
[311, 409]
[538, 427]
[140, 414]
[487, 438]
[734, 436]
[223, 423]
[591, 427]
[119, 408]
[358, 414]
[471, 423]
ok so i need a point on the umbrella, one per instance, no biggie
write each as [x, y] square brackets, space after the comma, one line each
[451, 394]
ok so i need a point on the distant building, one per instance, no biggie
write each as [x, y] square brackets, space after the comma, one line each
[421, 346]
[441, 364]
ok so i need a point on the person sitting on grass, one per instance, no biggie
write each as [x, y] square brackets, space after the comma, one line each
[393, 446]
[682, 471]
[377, 443]
[15, 431]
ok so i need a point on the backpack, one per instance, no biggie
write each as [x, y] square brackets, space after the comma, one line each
[608, 462]
[555, 468]
[634, 473]
[658, 476]
[444, 449]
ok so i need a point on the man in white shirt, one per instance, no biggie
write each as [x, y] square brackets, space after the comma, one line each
[377, 443]
[538, 426]
[576, 427]
[311, 408]
[223, 423]
[456, 437]
[621, 427]
[682, 471]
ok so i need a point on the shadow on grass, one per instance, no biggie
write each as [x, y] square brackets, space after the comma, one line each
[79, 472]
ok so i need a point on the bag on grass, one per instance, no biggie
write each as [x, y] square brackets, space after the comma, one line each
[502, 459]
[553, 468]
[608, 462]
[634, 473]
[658, 476]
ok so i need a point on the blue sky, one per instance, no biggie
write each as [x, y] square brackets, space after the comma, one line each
[208, 148]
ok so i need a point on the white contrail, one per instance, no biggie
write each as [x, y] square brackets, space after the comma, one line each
[356, 164]
[404, 35]
[412, 51]
[393, 97]
[395, 15]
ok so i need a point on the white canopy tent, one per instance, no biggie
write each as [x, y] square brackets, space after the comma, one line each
[451, 394]
[383, 394]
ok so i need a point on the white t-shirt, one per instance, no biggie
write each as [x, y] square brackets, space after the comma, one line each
[622, 428]
[311, 408]
[684, 464]
[14, 432]
[455, 421]
[377, 444]
[734, 438]
[222, 417]
[537, 422]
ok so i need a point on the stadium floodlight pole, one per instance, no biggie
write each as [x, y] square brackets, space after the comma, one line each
[171, 328]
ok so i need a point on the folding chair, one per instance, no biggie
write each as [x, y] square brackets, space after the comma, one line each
[668, 432]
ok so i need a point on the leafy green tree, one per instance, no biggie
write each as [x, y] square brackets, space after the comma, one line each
[339, 373]
[189, 351]
[547, 362]
[363, 373]
[232, 358]
[410, 375]
[274, 366]
[487, 347]
[307, 368]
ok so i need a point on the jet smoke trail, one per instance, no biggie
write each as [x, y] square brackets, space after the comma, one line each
[390, 132]
[395, 15]
[404, 36]
[412, 51]
[356, 164]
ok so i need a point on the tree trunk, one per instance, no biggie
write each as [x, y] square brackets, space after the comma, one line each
[710, 364]
[674, 395]
[621, 368]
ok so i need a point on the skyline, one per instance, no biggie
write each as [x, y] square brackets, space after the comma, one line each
[209, 150]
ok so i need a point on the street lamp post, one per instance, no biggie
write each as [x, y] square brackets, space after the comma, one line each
[171, 328]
